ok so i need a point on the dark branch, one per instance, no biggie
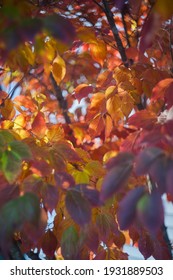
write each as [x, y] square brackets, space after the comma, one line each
[61, 100]
[115, 32]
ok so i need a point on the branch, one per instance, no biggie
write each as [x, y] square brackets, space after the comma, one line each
[171, 43]
[115, 32]
[61, 100]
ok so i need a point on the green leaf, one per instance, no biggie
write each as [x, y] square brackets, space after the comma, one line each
[20, 149]
[11, 159]
[16, 212]
[5, 137]
[69, 243]
[10, 165]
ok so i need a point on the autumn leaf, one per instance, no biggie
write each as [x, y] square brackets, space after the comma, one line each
[49, 244]
[82, 91]
[98, 51]
[16, 212]
[58, 69]
[146, 158]
[116, 178]
[69, 244]
[78, 207]
[163, 91]
[127, 208]
[150, 211]
[11, 159]
[39, 126]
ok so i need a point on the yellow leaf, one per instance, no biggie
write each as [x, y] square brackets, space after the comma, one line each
[58, 69]
[87, 35]
[81, 177]
[164, 8]
[55, 133]
[20, 121]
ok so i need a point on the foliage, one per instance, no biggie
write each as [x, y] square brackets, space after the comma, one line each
[86, 127]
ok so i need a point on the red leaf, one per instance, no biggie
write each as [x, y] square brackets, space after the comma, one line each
[116, 178]
[78, 207]
[127, 208]
[163, 90]
[49, 243]
[82, 91]
[146, 158]
[143, 119]
[148, 32]
[150, 211]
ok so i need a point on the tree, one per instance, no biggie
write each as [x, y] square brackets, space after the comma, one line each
[86, 127]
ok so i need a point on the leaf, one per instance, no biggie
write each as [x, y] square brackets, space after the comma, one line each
[16, 212]
[82, 91]
[90, 194]
[145, 245]
[92, 238]
[8, 111]
[163, 90]
[69, 244]
[60, 28]
[78, 207]
[143, 119]
[20, 149]
[55, 133]
[50, 196]
[49, 244]
[164, 8]
[58, 69]
[39, 126]
[98, 51]
[169, 178]
[106, 225]
[11, 159]
[120, 159]
[127, 207]
[116, 178]
[146, 158]
[150, 211]
[148, 32]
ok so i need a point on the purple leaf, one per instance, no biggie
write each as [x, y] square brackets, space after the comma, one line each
[150, 211]
[127, 208]
[146, 158]
[78, 207]
[115, 179]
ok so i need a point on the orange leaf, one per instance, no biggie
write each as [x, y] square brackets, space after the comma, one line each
[7, 110]
[39, 125]
[98, 51]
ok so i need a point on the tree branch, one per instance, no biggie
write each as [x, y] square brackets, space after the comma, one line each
[115, 32]
[61, 100]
